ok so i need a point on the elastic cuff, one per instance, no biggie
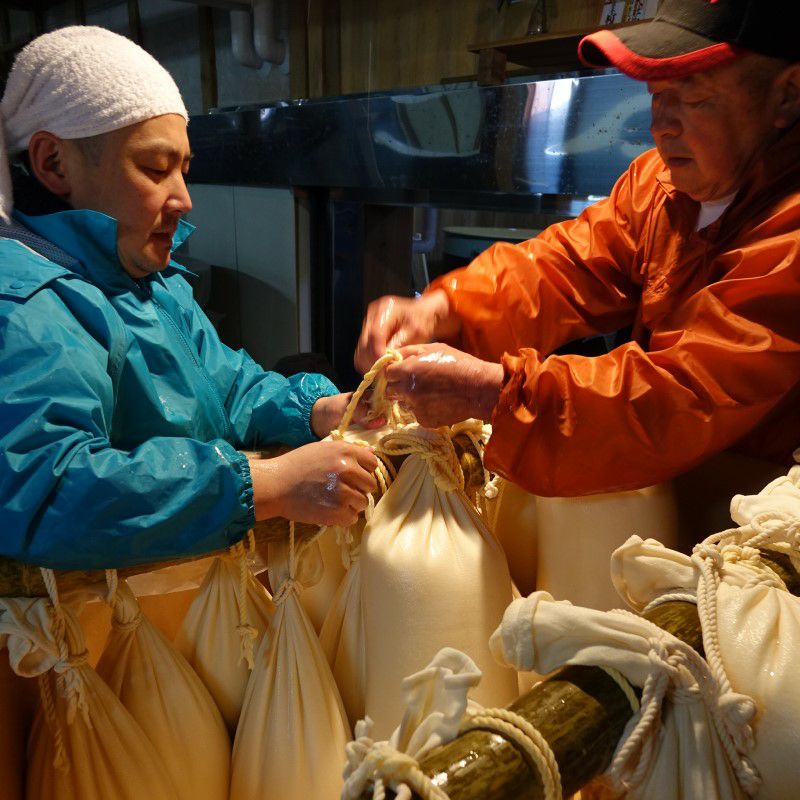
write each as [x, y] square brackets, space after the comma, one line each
[247, 519]
[325, 389]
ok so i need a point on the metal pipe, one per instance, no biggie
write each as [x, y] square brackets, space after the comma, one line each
[242, 40]
[268, 42]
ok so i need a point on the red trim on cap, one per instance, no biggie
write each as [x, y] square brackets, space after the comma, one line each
[643, 68]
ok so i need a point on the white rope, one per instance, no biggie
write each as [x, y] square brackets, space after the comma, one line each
[776, 531]
[379, 405]
[670, 597]
[529, 740]
[625, 687]
[291, 585]
[247, 632]
[678, 672]
[69, 682]
[435, 448]
[384, 766]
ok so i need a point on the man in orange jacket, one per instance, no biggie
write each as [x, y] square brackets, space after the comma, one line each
[697, 247]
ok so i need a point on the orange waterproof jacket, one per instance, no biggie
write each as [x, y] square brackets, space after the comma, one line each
[715, 360]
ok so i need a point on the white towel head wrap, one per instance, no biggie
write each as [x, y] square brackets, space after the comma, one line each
[77, 82]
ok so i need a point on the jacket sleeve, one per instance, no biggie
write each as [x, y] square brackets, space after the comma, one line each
[263, 407]
[574, 280]
[68, 499]
[570, 425]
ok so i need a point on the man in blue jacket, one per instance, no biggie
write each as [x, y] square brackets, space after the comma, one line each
[122, 415]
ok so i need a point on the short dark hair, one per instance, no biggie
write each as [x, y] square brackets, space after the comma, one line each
[91, 147]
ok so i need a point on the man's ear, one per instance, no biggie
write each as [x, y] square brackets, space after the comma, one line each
[50, 163]
[788, 110]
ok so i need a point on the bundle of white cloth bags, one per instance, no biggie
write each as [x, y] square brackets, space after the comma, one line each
[720, 727]
[146, 729]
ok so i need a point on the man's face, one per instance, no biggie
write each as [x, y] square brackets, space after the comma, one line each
[710, 127]
[138, 177]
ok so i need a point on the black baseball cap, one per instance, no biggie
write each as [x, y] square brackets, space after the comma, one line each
[688, 36]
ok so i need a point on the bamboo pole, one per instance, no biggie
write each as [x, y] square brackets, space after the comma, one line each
[580, 711]
[24, 580]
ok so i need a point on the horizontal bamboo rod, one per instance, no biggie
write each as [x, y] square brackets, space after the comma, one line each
[580, 711]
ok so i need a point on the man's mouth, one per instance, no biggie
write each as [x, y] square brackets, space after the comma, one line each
[677, 161]
[164, 237]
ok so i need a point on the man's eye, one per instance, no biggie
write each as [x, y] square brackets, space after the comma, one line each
[156, 171]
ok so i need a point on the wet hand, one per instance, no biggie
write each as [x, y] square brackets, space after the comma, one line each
[324, 483]
[442, 385]
[398, 321]
[327, 412]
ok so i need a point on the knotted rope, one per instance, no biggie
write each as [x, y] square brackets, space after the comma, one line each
[679, 671]
[247, 633]
[69, 682]
[112, 599]
[383, 765]
[435, 448]
[290, 585]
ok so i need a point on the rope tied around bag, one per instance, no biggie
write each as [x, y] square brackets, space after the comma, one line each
[383, 765]
[435, 447]
[680, 674]
[68, 680]
[112, 599]
[734, 712]
[247, 632]
[290, 585]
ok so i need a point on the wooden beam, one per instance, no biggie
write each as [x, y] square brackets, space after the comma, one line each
[491, 67]
[135, 22]
[298, 49]
[208, 57]
[79, 11]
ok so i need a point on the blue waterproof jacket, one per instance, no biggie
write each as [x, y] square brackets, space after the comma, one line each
[121, 412]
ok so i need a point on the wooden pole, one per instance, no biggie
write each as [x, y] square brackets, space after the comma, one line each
[25, 580]
[580, 711]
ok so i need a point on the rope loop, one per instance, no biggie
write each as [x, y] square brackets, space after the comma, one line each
[379, 404]
[527, 738]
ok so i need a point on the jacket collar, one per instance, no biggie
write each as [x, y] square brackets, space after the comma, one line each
[90, 237]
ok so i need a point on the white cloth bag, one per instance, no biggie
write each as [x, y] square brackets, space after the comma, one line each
[293, 729]
[432, 576]
[674, 747]
[84, 744]
[317, 599]
[577, 535]
[751, 633]
[511, 515]
[751, 623]
[222, 630]
[342, 637]
[435, 704]
[170, 703]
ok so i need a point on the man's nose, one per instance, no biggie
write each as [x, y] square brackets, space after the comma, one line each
[179, 199]
[665, 120]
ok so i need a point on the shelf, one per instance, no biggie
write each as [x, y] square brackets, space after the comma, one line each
[542, 52]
